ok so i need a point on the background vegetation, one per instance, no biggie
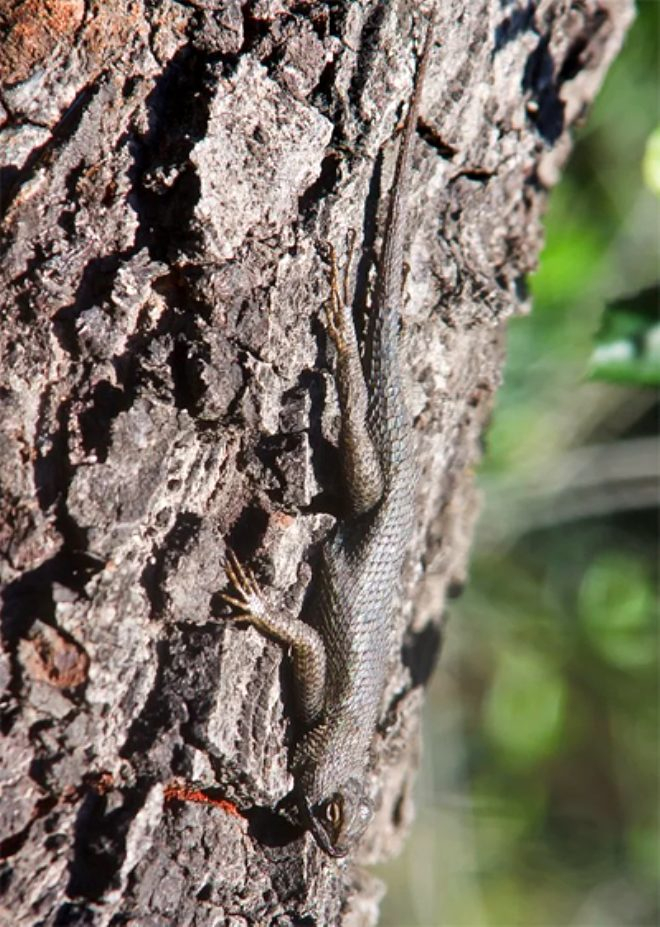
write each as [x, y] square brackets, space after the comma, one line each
[538, 797]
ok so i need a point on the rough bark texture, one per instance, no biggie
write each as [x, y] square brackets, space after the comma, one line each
[169, 171]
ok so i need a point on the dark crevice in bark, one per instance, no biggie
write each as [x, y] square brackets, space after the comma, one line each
[368, 48]
[246, 533]
[432, 139]
[30, 597]
[514, 24]
[178, 118]
[96, 284]
[62, 130]
[186, 529]
[309, 202]
[99, 844]
[539, 78]
[95, 421]
[14, 843]
[420, 653]
[155, 717]
[75, 915]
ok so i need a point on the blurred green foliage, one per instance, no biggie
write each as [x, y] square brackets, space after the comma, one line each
[615, 608]
[538, 796]
[628, 342]
[651, 162]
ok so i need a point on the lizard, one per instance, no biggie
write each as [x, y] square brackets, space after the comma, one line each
[340, 661]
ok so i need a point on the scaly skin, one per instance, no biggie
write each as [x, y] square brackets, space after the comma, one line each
[341, 658]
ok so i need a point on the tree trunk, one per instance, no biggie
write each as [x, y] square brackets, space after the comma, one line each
[170, 170]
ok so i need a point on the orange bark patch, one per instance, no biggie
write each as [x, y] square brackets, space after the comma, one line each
[34, 29]
[177, 792]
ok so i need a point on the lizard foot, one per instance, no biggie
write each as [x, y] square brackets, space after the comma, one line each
[249, 599]
[307, 649]
[338, 319]
[334, 306]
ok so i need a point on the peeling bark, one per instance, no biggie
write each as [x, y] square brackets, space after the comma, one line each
[166, 385]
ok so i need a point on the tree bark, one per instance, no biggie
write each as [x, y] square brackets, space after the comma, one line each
[166, 386]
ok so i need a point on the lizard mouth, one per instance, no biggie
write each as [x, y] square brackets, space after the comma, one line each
[319, 832]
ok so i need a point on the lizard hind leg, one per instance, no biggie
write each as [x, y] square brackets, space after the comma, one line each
[305, 643]
[362, 472]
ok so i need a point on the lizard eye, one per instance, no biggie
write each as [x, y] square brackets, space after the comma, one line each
[333, 812]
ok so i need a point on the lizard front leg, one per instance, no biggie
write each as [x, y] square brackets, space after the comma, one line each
[307, 648]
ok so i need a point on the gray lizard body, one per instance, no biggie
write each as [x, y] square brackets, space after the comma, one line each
[340, 662]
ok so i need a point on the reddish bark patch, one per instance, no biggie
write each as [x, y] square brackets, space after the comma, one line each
[49, 657]
[176, 792]
[34, 29]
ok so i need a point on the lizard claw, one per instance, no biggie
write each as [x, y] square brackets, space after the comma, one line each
[240, 576]
[248, 598]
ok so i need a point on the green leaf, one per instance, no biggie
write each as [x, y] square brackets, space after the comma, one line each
[628, 343]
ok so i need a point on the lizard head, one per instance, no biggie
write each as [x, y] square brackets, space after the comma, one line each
[338, 820]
